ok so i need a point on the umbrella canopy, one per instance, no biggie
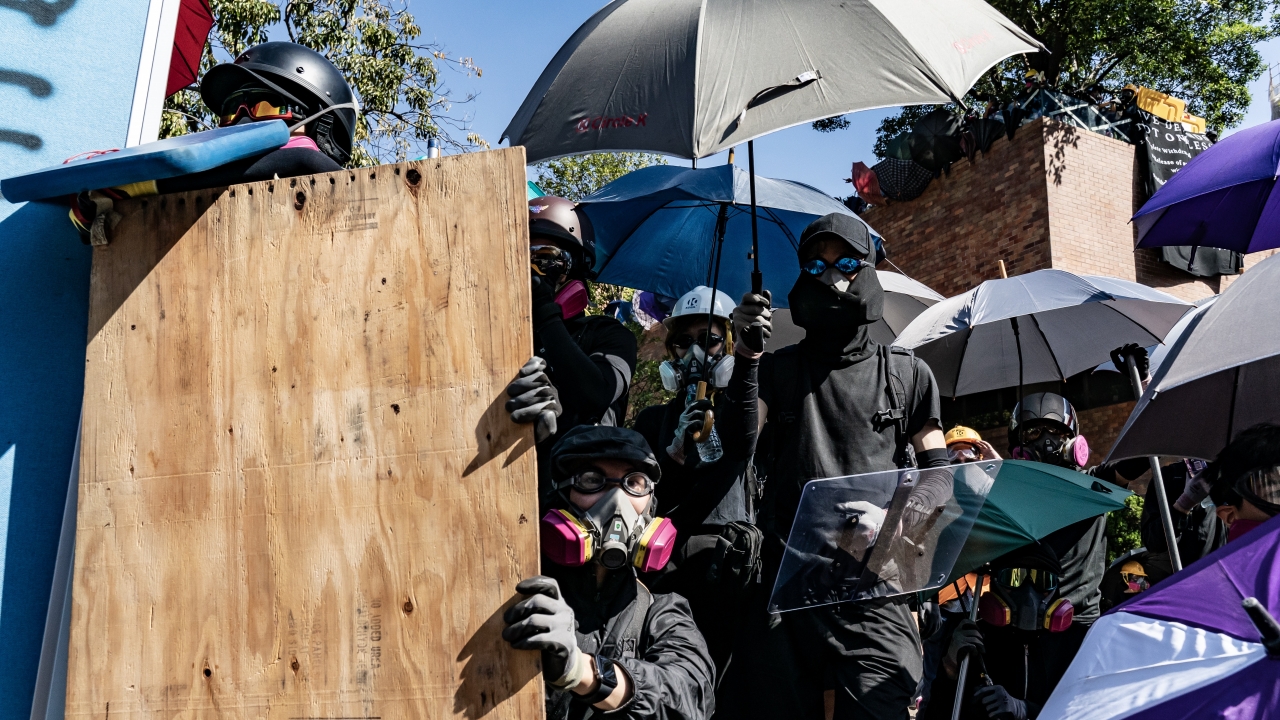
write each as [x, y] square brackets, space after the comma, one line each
[656, 229]
[692, 77]
[1028, 501]
[1223, 198]
[1158, 353]
[1222, 376]
[904, 299]
[1066, 324]
[1185, 648]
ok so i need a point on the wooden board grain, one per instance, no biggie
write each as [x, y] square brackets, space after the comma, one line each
[299, 495]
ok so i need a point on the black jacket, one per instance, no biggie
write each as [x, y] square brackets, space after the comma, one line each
[671, 673]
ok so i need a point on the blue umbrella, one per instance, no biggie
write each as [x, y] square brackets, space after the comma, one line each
[1223, 198]
[659, 229]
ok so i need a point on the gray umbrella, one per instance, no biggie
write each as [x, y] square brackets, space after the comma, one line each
[1220, 377]
[1043, 326]
[693, 77]
[904, 300]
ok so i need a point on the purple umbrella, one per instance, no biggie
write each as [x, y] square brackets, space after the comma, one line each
[1221, 199]
[1186, 648]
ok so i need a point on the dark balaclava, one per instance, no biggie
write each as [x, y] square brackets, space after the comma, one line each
[836, 322]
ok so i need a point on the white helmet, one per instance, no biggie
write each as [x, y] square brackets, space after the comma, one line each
[696, 302]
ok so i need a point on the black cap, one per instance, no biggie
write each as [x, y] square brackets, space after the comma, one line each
[583, 445]
[848, 228]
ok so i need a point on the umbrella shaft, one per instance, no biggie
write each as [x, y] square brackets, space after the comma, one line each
[1162, 501]
[964, 662]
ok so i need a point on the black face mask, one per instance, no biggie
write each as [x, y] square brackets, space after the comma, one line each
[836, 322]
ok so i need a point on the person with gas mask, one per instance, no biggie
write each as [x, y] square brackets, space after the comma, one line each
[1020, 647]
[708, 489]
[608, 644]
[582, 365]
[836, 404]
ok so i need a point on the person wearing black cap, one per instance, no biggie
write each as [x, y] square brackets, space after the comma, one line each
[836, 404]
[582, 366]
[1020, 647]
[609, 645]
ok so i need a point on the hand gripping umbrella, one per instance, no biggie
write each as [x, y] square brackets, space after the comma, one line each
[690, 78]
[1202, 644]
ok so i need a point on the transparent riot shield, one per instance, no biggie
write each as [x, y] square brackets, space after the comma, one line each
[876, 535]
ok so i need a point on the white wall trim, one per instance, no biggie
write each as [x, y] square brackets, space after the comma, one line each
[153, 72]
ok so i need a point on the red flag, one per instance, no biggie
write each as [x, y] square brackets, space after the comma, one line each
[195, 20]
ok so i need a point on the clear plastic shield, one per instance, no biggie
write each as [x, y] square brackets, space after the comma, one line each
[876, 535]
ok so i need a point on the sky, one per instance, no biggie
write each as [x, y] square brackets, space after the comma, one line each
[513, 41]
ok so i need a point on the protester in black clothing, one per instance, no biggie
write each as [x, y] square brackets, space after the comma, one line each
[1245, 480]
[1021, 646]
[582, 365]
[836, 404]
[707, 489]
[608, 644]
[272, 81]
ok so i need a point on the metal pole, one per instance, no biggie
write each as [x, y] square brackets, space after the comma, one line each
[757, 280]
[1162, 500]
[964, 662]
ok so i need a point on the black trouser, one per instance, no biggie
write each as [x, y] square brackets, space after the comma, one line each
[782, 664]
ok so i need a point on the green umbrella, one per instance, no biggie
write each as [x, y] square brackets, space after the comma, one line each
[1028, 501]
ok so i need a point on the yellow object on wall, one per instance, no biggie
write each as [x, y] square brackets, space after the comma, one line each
[1166, 107]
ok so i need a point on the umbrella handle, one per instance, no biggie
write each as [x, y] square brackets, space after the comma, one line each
[702, 433]
[964, 662]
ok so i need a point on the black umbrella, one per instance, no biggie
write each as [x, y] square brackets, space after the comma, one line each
[935, 141]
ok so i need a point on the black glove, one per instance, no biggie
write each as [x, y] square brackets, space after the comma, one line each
[534, 399]
[545, 307]
[966, 638]
[1140, 359]
[545, 622]
[999, 704]
[755, 311]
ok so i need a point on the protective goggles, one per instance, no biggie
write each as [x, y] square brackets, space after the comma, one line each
[1034, 433]
[1014, 578]
[846, 265]
[962, 452]
[704, 338]
[636, 484]
[550, 260]
[255, 104]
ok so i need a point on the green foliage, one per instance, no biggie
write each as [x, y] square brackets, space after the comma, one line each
[577, 176]
[831, 124]
[1202, 51]
[375, 43]
[1123, 532]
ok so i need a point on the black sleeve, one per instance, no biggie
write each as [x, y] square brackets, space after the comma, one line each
[649, 424]
[925, 405]
[675, 678]
[589, 379]
[763, 377]
[739, 410]
[284, 162]
[1127, 470]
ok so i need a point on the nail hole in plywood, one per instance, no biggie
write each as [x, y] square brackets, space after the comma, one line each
[413, 176]
[299, 200]
[408, 606]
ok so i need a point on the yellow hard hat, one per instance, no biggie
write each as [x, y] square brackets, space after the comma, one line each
[963, 434]
[1133, 567]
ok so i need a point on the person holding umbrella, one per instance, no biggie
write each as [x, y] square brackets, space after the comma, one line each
[707, 492]
[838, 403]
[581, 369]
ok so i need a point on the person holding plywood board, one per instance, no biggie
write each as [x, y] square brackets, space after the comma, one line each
[607, 643]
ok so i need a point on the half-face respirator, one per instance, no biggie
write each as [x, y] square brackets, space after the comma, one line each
[695, 366]
[611, 533]
[1026, 599]
[1047, 447]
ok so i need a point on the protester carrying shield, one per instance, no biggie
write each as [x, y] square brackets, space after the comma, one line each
[1022, 644]
[708, 487]
[608, 644]
[836, 404]
[582, 365]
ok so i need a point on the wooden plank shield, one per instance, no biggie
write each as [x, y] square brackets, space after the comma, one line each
[300, 496]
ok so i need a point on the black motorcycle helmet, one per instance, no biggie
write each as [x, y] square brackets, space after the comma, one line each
[302, 76]
[1047, 408]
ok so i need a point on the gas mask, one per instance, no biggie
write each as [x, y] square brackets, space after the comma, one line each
[695, 366]
[611, 533]
[1027, 600]
[1051, 448]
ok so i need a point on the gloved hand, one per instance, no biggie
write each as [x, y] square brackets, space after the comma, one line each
[545, 622]
[861, 528]
[690, 421]
[999, 704]
[753, 311]
[965, 639]
[545, 308]
[1140, 358]
[534, 399]
[94, 216]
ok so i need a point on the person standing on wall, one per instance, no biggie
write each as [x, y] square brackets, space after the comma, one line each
[836, 404]
[582, 365]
